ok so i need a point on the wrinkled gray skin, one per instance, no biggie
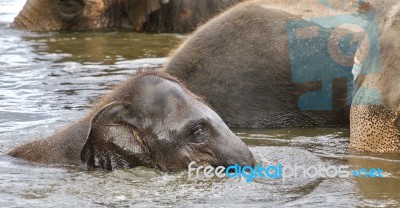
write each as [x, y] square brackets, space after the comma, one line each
[152, 121]
[239, 62]
[139, 15]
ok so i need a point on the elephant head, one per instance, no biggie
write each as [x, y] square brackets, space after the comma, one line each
[50, 15]
[152, 121]
[140, 15]
[375, 111]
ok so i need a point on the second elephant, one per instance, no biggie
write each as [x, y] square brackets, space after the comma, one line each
[266, 64]
[140, 15]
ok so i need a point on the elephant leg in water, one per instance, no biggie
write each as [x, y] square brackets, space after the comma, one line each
[151, 120]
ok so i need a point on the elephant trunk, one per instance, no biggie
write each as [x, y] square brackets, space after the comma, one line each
[234, 151]
[374, 129]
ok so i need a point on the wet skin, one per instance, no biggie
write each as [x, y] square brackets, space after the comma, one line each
[150, 120]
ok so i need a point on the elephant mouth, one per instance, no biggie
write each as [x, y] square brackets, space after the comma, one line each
[69, 9]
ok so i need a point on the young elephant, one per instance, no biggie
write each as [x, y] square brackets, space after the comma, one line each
[151, 120]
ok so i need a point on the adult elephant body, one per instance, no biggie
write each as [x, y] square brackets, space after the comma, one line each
[152, 121]
[139, 15]
[248, 65]
[240, 62]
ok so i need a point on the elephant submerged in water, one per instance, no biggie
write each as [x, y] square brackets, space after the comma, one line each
[241, 63]
[151, 120]
[272, 63]
[139, 15]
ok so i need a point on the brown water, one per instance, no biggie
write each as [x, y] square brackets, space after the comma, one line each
[48, 80]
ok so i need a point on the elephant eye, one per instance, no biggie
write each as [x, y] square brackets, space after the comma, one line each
[198, 131]
[69, 9]
[199, 134]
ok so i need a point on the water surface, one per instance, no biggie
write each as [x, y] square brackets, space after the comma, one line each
[48, 80]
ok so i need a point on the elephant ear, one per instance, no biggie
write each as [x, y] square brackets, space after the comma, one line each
[112, 143]
[139, 10]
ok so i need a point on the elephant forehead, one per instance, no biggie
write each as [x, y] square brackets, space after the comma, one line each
[166, 105]
[162, 93]
[161, 98]
[170, 93]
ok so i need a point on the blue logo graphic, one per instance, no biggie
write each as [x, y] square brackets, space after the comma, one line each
[323, 49]
[249, 173]
[281, 172]
[371, 173]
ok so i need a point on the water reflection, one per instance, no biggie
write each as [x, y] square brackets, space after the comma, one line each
[101, 47]
[387, 188]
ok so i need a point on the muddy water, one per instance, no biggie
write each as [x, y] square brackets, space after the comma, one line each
[48, 80]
